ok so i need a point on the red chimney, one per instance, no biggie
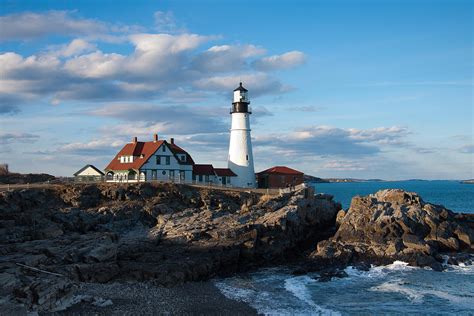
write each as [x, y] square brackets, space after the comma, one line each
[172, 140]
[155, 138]
[135, 139]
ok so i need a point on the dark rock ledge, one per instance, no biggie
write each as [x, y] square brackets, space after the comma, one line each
[53, 240]
[161, 232]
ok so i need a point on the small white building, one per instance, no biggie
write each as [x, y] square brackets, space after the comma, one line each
[88, 173]
[153, 160]
[208, 175]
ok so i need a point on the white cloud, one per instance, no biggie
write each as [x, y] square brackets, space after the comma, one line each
[94, 146]
[167, 67]
[277, 62]
[343, 165]
[76, 47]
[382, 135]
[261, 83]
[226, 58]
[333, 141]
[29, 25]
[96, 65]
[175, 119]
[10, 138]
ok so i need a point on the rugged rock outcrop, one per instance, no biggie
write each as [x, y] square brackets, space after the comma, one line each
[53, 238]
[396, 225]
[18, 178]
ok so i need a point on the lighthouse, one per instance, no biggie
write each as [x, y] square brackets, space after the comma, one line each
[240, 145]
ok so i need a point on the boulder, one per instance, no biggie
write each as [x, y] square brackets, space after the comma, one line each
[396, 225]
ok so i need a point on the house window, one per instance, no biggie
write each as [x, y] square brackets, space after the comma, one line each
[153, 175]
[171, 174]
[164, 148]
[183, 158]
[164, 172]
[194, 177]
[182, 175]
[163, 160]
[207, 178]
[200, 178]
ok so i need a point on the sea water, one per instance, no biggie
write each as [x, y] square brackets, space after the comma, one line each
[387, 290]
[454, 195]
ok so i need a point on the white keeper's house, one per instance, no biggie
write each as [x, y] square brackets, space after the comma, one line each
[160, 160]
[152, 160]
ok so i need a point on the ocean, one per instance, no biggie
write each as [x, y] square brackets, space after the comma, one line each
[456, 196]
[386, 290]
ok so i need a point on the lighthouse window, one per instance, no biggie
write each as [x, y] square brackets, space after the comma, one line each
[247, 157]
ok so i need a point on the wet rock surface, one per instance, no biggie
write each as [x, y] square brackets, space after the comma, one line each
[397, 225]
[54, 239]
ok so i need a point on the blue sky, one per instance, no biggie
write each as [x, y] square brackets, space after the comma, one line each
[366, 89]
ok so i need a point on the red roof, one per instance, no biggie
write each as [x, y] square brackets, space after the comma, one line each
[147, 149]
[178, 150]
[281, 170]
[207, 170]
[224, 172]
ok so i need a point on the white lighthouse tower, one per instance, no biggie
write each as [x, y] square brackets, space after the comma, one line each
[240, 146]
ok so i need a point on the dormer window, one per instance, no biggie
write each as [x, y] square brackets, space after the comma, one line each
[183, 158]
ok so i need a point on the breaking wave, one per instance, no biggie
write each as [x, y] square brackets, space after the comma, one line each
[395, 289]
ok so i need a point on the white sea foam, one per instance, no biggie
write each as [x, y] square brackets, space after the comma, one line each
[418, 295]
[268, 294]
[461, 268]
[397, 286]
[298, 286]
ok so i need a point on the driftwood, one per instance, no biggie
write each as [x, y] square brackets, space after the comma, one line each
[39, 270]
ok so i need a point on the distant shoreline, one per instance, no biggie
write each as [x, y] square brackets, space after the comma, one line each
[350, 180]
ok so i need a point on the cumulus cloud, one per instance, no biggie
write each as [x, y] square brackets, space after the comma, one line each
[261, 83]
[344, 165]
[76, 47]
[278, 62]
[175, 119]
[383, 135]
[226, 58]
[10, 138]
[101, 146]
[165, 67]
[332, 141]
[29, 25]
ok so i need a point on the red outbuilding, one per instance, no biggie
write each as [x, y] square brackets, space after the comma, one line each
[279, 177]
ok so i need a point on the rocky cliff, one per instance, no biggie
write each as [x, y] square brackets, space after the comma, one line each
[397, 225]
[51, 239]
